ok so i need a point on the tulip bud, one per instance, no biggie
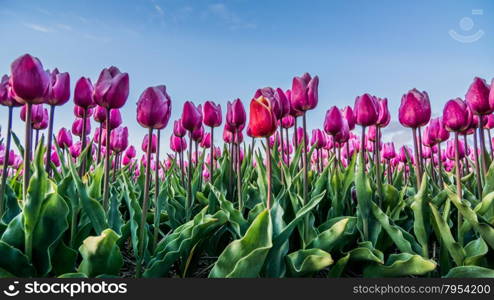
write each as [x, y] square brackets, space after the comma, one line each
[131, 152]
[153, 108]
[83, 93]
[198, 133]
[304, 92]
[30, 82]
[75, 149]
[115, 119]
[112, 88]
[212, 114]
[389, 150]
[64, 139]
[43, 122]
[77, 127]
[365, 110]
[456, 115]
[384, 117]
[415, 109]
[191, 116]
[154, 143]
[178, 129]
[318, 139]
[6, 98]
[119, 139]
[282, 99]
[349, 116]
[333, 121]
[288, 121]
[79, 112]
[477, 97]
[177, 144]
[262, 120]
[60, 88]
[206, 141]
[235, 116]
[100, 114]
[490, 121]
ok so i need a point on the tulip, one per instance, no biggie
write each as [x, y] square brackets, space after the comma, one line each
[119, 139]
[235, 116]
[64, 139]
[191, 117]
[333, 121]
[383, 120]
[177, 144]
[75, 149]
[384, 117]
[114, 121]
[77, 128]
[318, 141]
[304, 92]
[131, 152]
[59, 94]
[30, 85]
[349, 116]
[389, 151]
[6, 99]
[212, 118]
[145, 143]
[153, 108]
[206, 141]
[110, 91]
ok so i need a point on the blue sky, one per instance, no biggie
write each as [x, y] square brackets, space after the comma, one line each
[221, 50]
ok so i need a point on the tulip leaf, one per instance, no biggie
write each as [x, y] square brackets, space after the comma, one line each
[100, 254]
[470, 272]
[403, 264]
[308, 261]
[14, 261]
[245, 257]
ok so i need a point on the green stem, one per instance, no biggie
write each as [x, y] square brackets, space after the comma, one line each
[6, 162]
[157, 210]
[458, 187]
[268, 154]
[27, 151]
[50, 139]
[106, 186]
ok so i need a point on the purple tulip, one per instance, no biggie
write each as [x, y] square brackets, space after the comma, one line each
[384, 116]
[389, 151]
[154, 108]
[131, 152]
[212, 114]
[112, 88]
[178, 129]
[79, 112]
[6, 98]
[145, 142]
[43, 122]
[304, 92]
[64, 139]
[477, 97]
[344, 134]
[415, 109]
[100, 114]
[366, 110]
[30, 82]
[115, 119]
[198, 134]
[83, 93]
[77, 127]
[456, 115]
[318, 139]
[177, 144]
[119, 139]
[75, 149]
[333, 122]
[288, 121]
[349, 116]
[191, 116]
[235, 116]
[206, 141]
[60, 88]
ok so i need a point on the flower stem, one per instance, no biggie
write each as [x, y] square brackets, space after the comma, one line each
[50, 139]
[188, 207]
[99, 141]
[142, 228]
[416, 153]
[365, 221]
[268, 154]
[440, 165]
[106, 186]
[6, 162]
[239, 175]
[157, 210]
[458, 187]
[477, 167]
[483, 156]
[83, 140]
[490, 142]
[211, 158]
[27, 151]
[306, 176]
[287, 148]
[378, 166]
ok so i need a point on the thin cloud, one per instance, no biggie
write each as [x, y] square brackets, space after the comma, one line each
[64, 27]
[234, 22]
[39, 28]
[159, 10]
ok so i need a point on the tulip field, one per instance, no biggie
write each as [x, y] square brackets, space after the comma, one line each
[246, 190]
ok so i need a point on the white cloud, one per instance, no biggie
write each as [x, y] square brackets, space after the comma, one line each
[64, 27]
[38, 27]
[234, 22]
[159, 10]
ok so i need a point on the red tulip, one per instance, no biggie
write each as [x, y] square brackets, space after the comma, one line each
[262, 120]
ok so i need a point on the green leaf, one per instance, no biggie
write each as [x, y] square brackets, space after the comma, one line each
[403, 264]
[100, 254]
[307, 261]
[364, 198]
[14, 261]
[421, 216]
[475, 252]
[470, 272]
[448, 241]
[245, 257]
[328, 239]
[394, 231]
[364, 253]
